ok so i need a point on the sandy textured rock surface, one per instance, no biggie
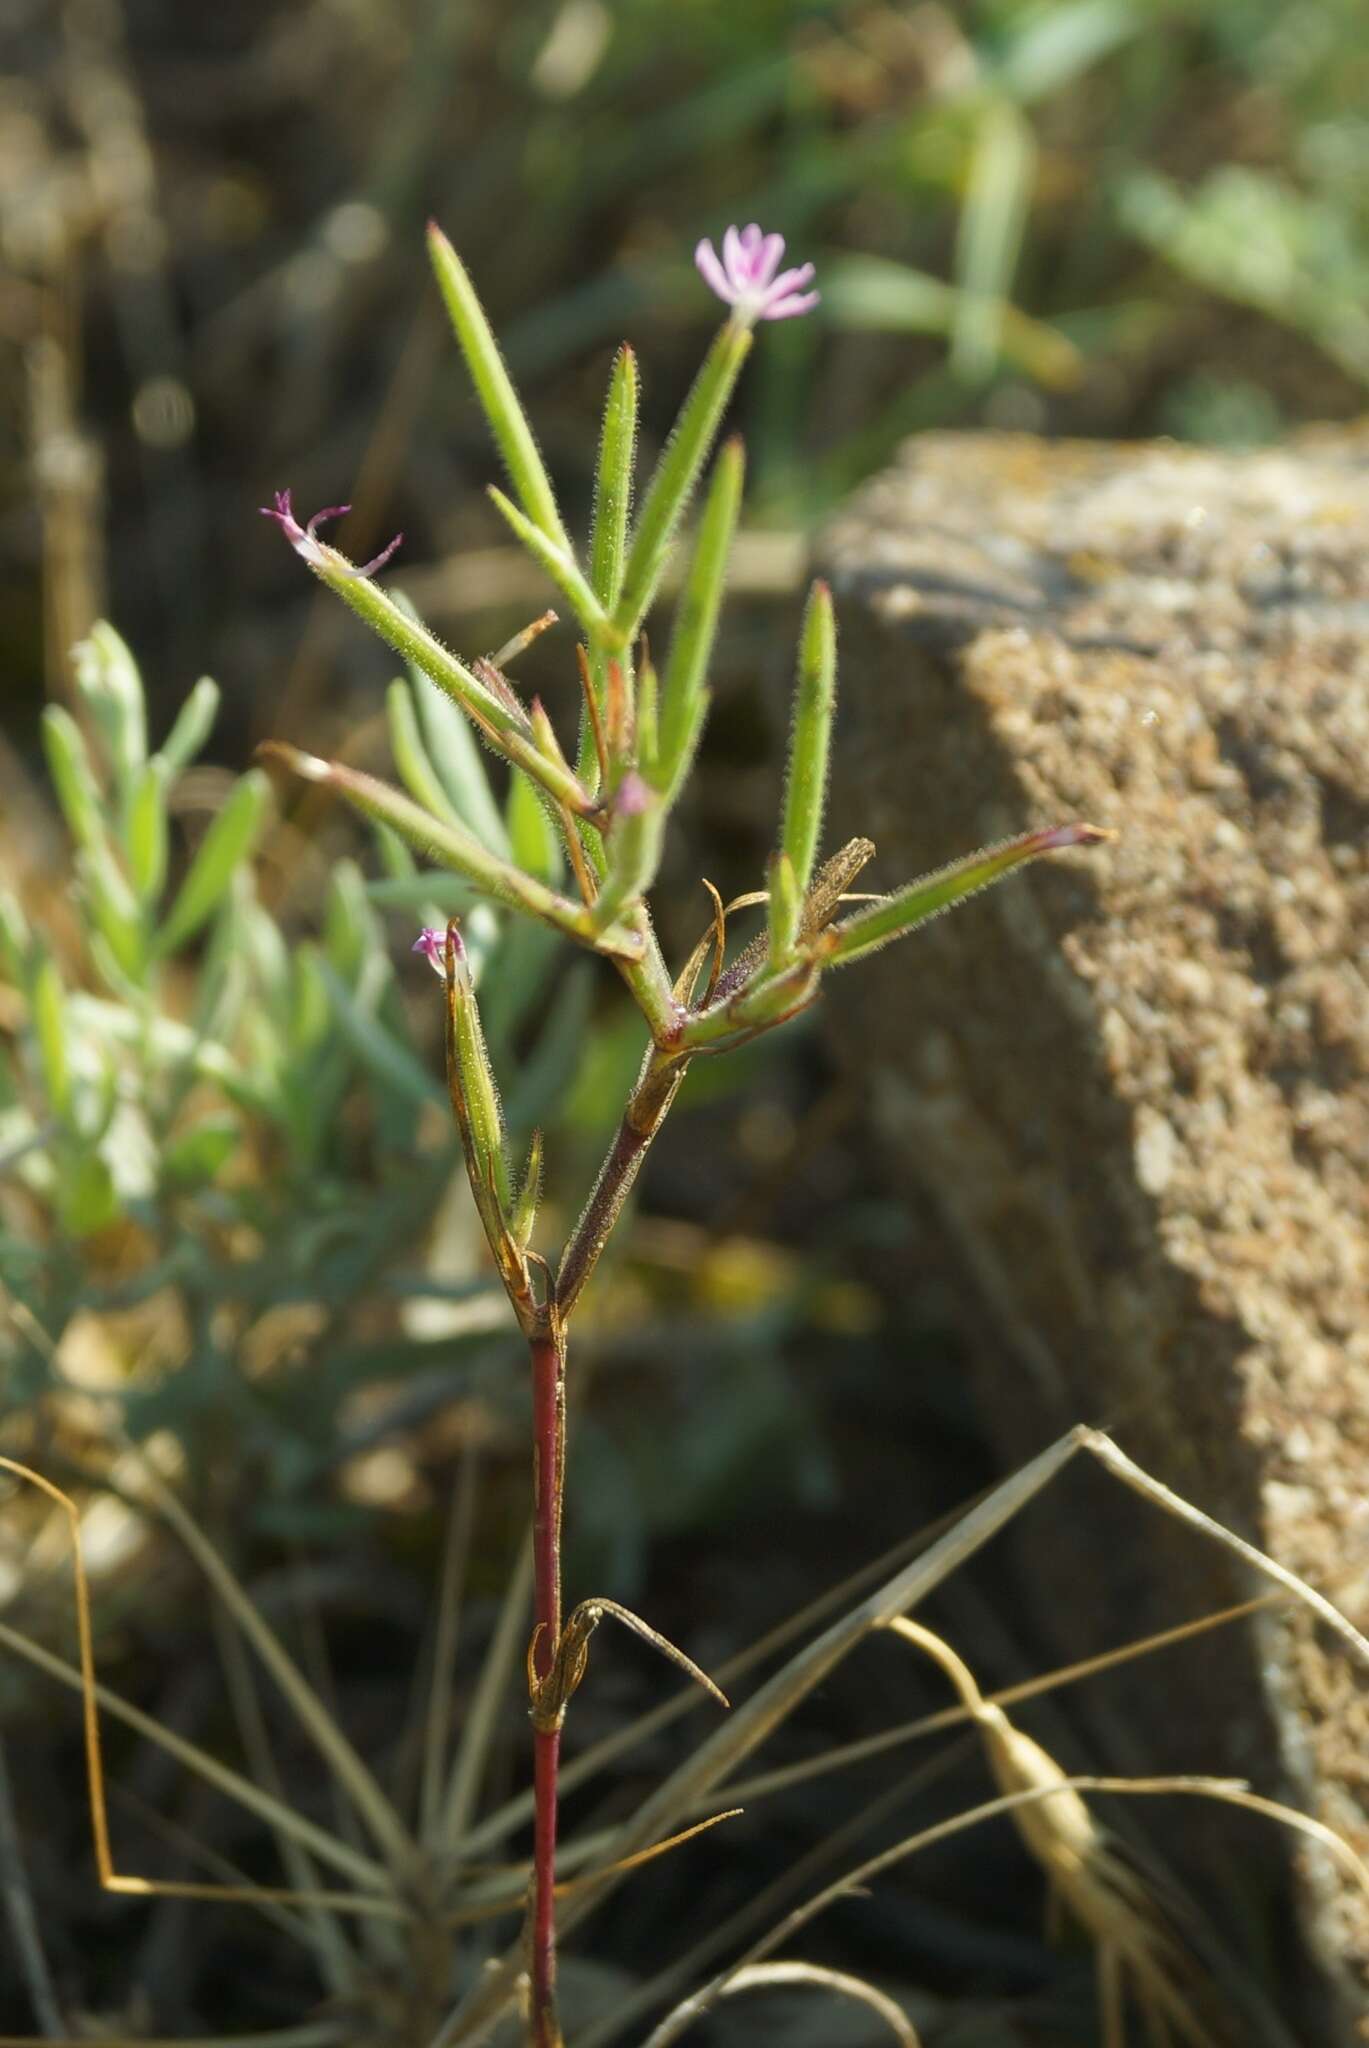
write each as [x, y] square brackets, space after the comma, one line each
[1133, 1086]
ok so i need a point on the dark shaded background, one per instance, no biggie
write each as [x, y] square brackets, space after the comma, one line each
[1102, 218]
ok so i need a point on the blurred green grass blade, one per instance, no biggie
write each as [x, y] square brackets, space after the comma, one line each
[114, 913]
[108, 680]
[613, 482]
[47, 1012]
[455, 753]
[532, 837]
[351, 929]
[451, 894]
[1056, 44]
[873, 295]
[73, 778]
[494, 388]
[684, 684]
[545, 1075]
[416, 771]
[676, 473]
[383, 1055]
[805, 790]
[229, 840]
[989, 236]
[146, 833]
[190, 729]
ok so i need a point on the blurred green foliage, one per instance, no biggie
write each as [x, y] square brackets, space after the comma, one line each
[206, 1108]
[1098, 216]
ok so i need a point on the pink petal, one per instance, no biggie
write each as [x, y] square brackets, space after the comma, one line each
[713, 274]
[767, 259]
[735, 260]
[786, 309]
[791, 280]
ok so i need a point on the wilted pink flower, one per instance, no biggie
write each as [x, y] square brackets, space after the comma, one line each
[433, 946]
[746, 276]
[304, 540]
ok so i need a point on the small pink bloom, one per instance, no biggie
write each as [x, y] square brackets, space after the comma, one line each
[306, 544]
[433, 946]
[748, 276]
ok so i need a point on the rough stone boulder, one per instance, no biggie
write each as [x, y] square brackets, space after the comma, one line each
[1130, 1089]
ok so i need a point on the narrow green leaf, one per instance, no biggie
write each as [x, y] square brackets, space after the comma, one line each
[926, 898]
[115, 913]
[416, 771]
[546, 1074]
[523, 1214]
[146, 833]
[676, 473]
[192, 726]
[15, 937]
[228, 841]
[455, 753]
[108, 679]
[613, 482]
[308, 1022]
[503, 724]
[385, 1056]
[47, 1009]
[684, 685]
[558, 562]
[532, 836]
[455, 846]
[193, 1159]
[351, 929]
[805, 792]
[494, 388]
[73, 778]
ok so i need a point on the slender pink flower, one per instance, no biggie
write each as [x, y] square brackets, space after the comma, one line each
[306, 544]
[746, 277]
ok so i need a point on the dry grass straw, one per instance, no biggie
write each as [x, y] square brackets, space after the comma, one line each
[1137, 1950]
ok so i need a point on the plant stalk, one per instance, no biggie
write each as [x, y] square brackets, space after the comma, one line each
[549, 1456]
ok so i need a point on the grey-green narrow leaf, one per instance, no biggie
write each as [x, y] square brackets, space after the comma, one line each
[108, 679]
[191, 728]
[454, 751]
[73, 778]
[230, 839]
[146, 832]
[416, 771]
[47, 1009]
